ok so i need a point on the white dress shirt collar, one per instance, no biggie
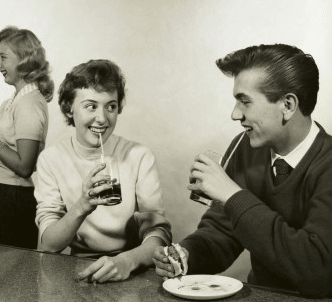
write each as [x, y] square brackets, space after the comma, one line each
[294, 157]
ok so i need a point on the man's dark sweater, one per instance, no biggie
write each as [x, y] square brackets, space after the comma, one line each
[287, 229]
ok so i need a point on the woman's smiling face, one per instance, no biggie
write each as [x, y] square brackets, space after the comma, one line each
[8, 66]
[94, 113]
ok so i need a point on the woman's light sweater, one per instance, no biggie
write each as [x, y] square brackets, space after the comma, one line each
[61, 170]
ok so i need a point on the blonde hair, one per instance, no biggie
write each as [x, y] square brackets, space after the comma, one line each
[33, 66]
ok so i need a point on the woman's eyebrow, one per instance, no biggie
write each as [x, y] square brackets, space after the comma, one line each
[88, 100]
[94, 101]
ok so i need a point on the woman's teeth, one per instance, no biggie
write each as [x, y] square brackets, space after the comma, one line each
[97, 130]
[247, 128]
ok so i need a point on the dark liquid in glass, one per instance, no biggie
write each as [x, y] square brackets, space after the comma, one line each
[113, 193]
[200, 197]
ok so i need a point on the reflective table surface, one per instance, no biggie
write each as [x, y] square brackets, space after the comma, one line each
[27, 275]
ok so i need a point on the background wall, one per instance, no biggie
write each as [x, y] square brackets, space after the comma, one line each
[178, 102]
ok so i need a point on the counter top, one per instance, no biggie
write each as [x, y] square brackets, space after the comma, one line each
[27, 275]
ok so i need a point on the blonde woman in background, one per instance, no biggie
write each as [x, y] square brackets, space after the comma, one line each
[23, 130]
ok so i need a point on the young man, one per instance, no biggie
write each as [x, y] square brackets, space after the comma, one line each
[286, 226]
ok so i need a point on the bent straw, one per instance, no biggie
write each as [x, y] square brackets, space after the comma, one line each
[229, 157]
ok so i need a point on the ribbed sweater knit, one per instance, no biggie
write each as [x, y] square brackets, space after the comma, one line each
[287, 229]
[61, 170]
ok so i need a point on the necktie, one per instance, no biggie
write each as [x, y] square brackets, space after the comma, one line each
[282, 169]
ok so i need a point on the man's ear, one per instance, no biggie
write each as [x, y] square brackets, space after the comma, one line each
[291, 104]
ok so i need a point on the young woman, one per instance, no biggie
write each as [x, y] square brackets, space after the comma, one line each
[122, 236]
[23, 130]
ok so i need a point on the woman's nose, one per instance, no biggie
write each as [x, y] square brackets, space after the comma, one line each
[236, 114]
[100, 116]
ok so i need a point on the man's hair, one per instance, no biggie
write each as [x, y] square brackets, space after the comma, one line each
[287, 69]
[101, 75]
[33, 66]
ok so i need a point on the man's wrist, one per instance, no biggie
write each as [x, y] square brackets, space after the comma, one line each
[227, 194]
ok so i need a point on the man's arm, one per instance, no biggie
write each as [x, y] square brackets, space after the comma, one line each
[302, 256]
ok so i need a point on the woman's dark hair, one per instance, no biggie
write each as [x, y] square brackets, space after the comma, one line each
[33, 66]
[287, 69]
[101, 75]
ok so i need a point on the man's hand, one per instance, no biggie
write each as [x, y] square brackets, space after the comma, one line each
[210, 178]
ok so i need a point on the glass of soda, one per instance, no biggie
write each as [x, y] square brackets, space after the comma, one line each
[199, 196]
[111, 169]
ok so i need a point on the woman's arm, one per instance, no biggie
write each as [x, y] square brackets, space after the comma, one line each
[60, 233]
[29, 120]
[24, 160]
[153, 228]
[119, 267]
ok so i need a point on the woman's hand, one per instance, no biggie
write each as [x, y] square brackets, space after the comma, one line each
[92, 185]
[107, 269]
[163, 267]
[210, 178]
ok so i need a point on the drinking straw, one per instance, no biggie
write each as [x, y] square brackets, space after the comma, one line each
[102, 149]
[229, 157]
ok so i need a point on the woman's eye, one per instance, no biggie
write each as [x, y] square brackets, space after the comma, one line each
[91, 107]
[112, 107]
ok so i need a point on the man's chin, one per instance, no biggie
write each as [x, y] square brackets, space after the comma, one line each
[256, 144]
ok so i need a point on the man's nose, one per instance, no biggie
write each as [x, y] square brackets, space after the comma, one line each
[236, 114]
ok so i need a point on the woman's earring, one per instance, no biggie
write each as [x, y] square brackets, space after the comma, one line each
[70, 114]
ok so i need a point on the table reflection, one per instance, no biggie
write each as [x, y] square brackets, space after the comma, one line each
[57, 282]
[27, 275]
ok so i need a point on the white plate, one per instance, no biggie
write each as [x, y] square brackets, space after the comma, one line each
[202, 287]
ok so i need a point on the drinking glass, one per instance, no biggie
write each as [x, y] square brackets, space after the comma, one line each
[111, 169]
[197, 195]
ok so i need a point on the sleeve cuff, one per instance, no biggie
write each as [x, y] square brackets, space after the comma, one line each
[239, 203]
[158, 233]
